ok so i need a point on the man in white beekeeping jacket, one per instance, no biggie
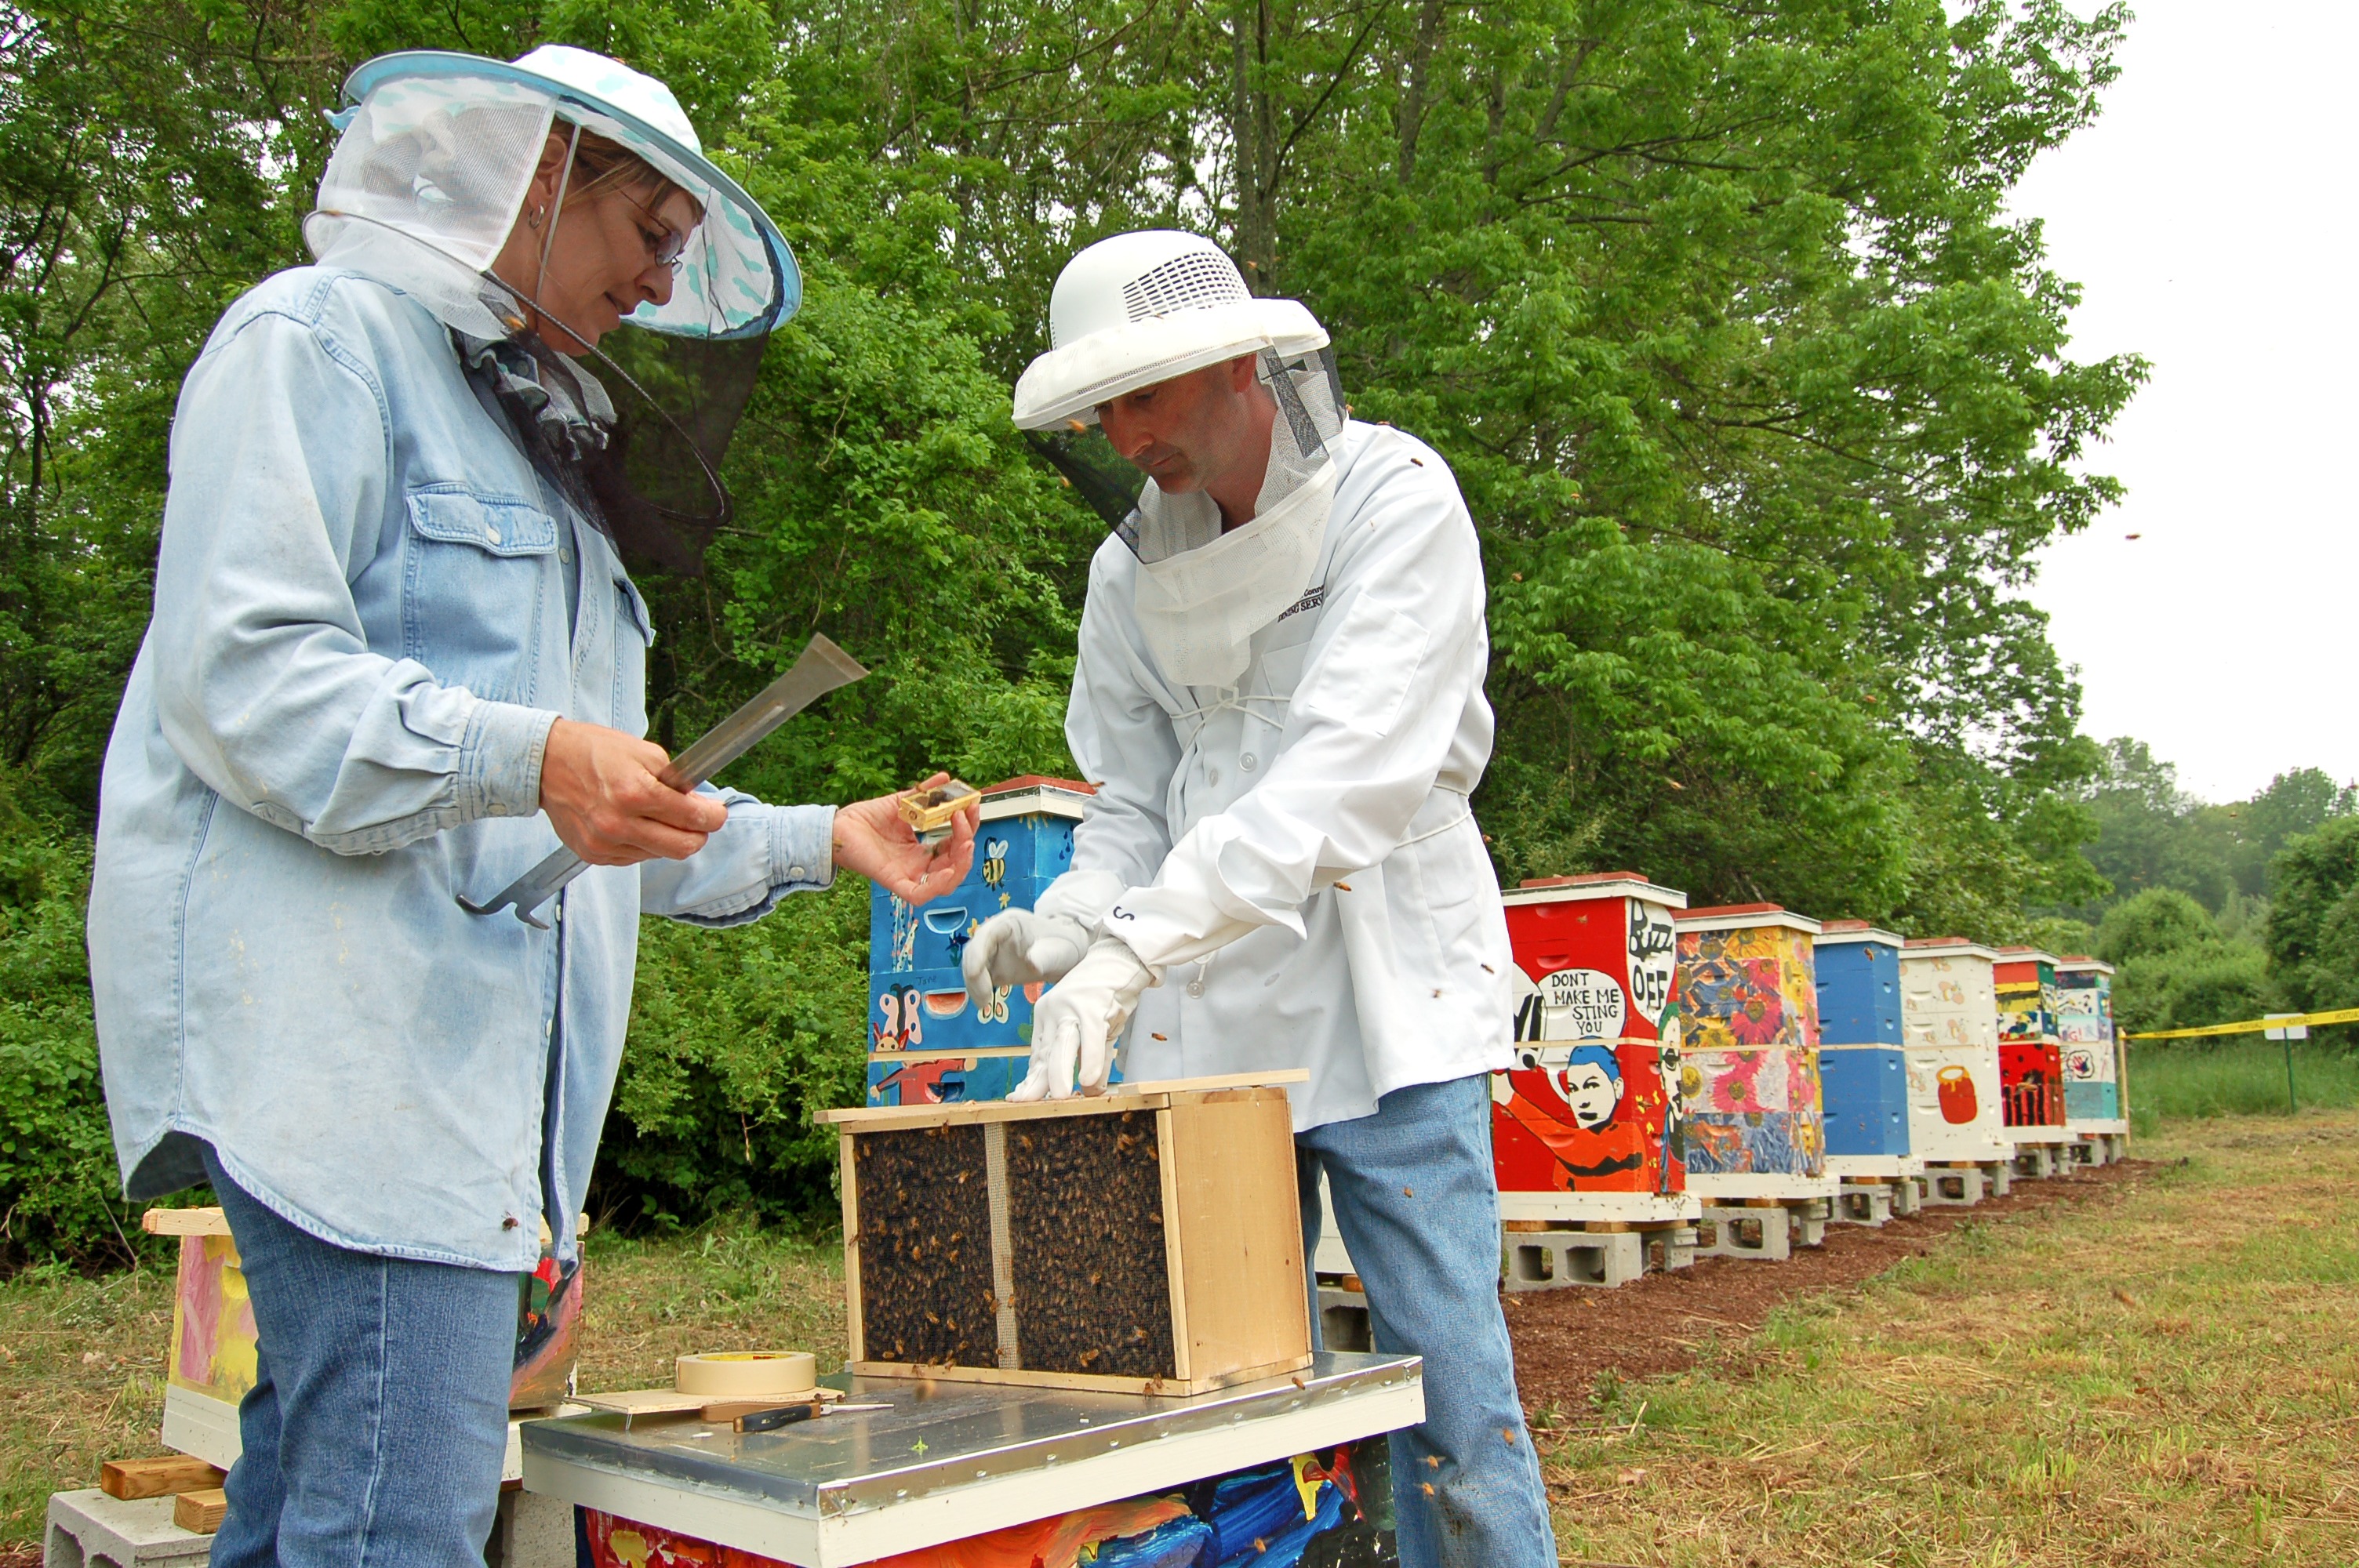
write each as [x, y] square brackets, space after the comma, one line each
[1279, 695]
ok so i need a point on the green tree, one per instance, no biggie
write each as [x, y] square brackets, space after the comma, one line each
[2313, 930]
[2158, 919]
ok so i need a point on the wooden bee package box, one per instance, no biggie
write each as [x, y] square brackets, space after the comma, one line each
[1148, 1241]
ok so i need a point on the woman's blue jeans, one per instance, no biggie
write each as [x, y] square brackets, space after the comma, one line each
[1418, 1206]
[374, 1432]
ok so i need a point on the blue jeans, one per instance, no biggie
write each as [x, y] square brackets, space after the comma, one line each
[375, 1430]
[1419, 1207]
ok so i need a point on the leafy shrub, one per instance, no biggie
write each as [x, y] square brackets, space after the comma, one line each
[2313, 929]
[737, 1037]
[2155, 921]
[2205, 981]
[58, 1182]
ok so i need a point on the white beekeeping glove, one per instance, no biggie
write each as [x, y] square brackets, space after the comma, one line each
[1018, 946]
[1075, 1024]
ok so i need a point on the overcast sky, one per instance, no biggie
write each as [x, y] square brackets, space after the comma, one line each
[2209, 217]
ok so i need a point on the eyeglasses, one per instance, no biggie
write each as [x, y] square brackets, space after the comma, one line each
[667, 250]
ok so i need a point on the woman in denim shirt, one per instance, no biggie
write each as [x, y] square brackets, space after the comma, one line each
[396, 659]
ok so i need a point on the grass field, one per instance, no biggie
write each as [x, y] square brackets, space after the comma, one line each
[2168, 1376]
[2242, 1076]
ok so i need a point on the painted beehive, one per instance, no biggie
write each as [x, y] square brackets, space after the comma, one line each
[1146, 1241]
[1861, 1068]
[214, 1361]
[2030, 1057]
[2084, 1029]
[927, 1044]
[1949, 1016]
[1749, 1075]
[1586, 1125]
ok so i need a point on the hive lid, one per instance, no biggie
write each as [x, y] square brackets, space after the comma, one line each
[1593, 885]
[1839, 931]
[2082, 964]
[1946, 947]
[2027, 956]
[1030, 794]
[1745, 917]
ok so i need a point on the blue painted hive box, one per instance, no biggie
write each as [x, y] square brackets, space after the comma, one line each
[927, 1044]
[1862, 1069]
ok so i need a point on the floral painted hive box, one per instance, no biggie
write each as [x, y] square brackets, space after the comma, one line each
[927, 1044]
[1949, 1020]
[1586, 1125]
[1749, 1010]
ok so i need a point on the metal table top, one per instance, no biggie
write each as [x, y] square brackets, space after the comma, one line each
[950, 1459]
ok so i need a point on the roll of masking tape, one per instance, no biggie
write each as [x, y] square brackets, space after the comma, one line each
[747, 1374]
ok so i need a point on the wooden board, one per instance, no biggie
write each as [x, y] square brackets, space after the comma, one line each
[184, 1222]
[1152, 1096]
[201, 1513]
[164, 1477]
[1166, 1386]
[1234, 1170]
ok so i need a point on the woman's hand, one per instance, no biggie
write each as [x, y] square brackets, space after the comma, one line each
[872, 839]
[606, 797]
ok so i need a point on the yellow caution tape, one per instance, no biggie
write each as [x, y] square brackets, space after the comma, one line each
[2307, 1020]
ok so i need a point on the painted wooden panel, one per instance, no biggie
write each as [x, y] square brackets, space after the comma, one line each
[2030, 1057]
[1857, 969]
[2084, 1028]
[926, 1044]
[1949, 1015]
[213, 1332]
[1592, 1105]
[1750, 1079]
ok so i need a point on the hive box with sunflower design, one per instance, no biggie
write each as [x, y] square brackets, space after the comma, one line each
[1749, 1008]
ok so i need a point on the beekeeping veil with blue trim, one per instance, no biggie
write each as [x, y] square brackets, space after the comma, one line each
[424, 184]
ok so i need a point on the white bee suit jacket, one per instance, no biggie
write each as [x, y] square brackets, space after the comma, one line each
[1300, 851]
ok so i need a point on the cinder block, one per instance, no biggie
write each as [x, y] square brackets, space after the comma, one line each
[1550, 1260]
[89, 1529]
[1960, 1186]
[532, 1532]
[2034, 1162]
[1344, 1320]
[1670, 1248]
[1869, 1202]
[1765, 1234]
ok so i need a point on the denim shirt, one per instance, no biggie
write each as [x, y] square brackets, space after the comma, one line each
[335, 726]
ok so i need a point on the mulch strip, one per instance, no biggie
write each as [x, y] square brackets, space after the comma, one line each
[1565, 1339]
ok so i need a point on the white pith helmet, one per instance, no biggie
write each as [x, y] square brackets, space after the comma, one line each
[1142, 308]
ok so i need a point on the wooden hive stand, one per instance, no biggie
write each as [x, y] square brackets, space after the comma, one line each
[1149, 1240]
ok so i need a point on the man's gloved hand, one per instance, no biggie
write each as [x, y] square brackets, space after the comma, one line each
[1018, 946]
[1077, 1022]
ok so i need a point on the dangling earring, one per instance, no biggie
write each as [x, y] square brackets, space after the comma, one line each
[533, 221]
